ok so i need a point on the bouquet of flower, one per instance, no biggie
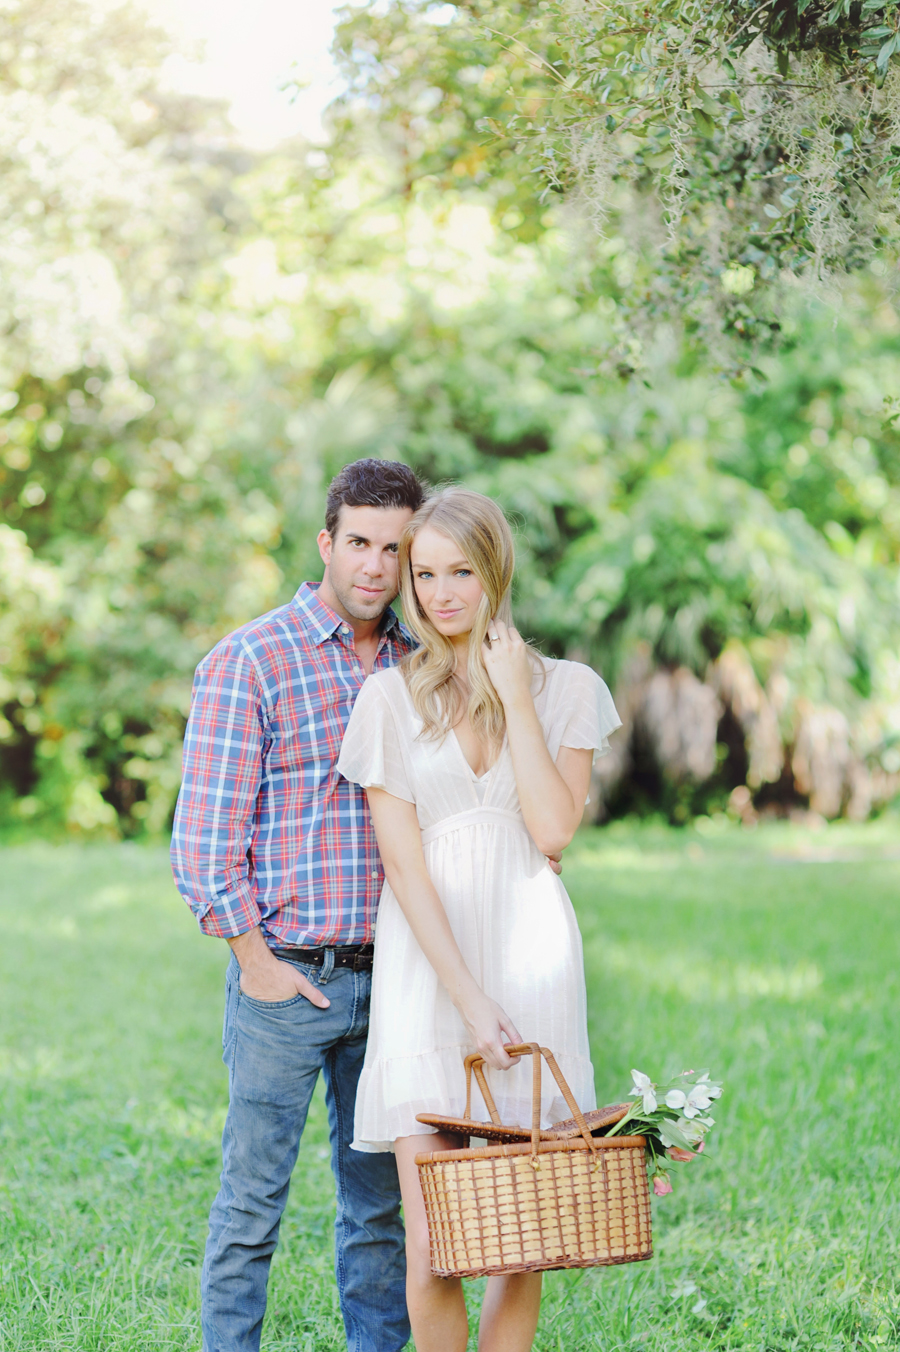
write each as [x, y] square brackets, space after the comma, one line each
[673, 1118]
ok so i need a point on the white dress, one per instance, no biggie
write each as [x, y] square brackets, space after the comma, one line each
[509, 913]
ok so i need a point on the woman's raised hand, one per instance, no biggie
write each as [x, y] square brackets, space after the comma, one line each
[508, 662]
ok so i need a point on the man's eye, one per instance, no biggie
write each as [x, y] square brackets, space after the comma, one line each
[392, 549]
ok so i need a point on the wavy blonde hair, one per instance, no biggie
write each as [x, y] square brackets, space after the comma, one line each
[479, 528]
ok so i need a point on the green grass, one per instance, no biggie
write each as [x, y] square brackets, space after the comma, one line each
[771, 957]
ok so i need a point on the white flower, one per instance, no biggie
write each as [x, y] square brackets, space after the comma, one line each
[695, 1130]
[713, 1090]
[698, 1100]
[643, 1088]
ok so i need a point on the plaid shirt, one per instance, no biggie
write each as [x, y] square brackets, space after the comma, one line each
[266, 831]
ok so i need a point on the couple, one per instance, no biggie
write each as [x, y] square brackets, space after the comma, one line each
[325, 738]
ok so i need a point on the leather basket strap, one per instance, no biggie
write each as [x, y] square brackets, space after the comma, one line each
[475, 1063]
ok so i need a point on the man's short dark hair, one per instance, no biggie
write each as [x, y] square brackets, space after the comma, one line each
[372, 483]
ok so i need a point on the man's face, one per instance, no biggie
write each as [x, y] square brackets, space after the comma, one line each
[361, 561]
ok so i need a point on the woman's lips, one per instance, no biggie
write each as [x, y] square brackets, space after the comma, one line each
[446, 614]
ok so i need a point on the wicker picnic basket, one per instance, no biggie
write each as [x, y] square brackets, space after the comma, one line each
[554, 1201]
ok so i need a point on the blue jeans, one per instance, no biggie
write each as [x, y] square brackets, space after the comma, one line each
[274, 1053]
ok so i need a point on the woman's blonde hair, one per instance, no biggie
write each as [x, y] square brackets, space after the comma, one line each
[479, 528]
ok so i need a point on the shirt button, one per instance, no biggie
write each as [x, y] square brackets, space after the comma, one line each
[345, 629]
[374, 875]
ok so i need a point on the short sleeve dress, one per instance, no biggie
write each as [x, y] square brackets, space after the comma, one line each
[509, 912]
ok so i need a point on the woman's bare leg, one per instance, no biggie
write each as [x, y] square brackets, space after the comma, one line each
[437, 1307]
[509, 1315]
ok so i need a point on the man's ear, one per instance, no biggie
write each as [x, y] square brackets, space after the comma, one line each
[325, 543]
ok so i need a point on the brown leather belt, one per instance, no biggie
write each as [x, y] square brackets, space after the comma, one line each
[358, 957]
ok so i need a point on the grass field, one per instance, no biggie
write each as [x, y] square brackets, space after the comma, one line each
[771, 957]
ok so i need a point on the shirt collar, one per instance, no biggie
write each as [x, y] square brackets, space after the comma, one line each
[324, 622]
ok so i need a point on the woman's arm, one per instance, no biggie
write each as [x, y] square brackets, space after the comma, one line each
[551, 795]
[400, 846]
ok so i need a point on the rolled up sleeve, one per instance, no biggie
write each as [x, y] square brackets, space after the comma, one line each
[224, 746]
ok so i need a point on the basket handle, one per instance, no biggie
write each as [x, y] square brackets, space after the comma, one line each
[475, 1062]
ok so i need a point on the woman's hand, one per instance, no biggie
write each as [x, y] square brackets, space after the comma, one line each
[489, 1030]
[508, 663]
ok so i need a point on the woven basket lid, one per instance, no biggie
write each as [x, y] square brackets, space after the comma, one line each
[560, 1131]
[488, 1131]
[596, 1120]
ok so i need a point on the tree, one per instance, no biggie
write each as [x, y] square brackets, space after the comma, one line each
[725, 552]
[745, 144]
[118, 204]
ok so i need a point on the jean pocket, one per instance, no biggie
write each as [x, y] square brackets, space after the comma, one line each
[252, 1001]
[305, 969]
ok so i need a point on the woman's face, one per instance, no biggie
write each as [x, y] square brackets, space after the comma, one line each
[447, 588]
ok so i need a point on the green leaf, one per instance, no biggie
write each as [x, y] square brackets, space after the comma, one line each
[704, 101]
[658, 159]
[669, 1134]
[703, 122]
[888, 51]
[772, 212]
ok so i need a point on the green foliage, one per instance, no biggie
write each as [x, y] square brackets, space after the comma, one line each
[767, 955]
[742, 143]
[434, 78]
[182, 376]
[122, 535]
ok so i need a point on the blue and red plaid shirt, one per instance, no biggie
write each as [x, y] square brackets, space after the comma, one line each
[266, 831]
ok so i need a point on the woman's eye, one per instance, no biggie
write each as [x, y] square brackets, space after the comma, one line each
[422, 577]
[464, 572]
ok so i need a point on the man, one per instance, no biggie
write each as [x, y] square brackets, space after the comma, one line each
[275, 853]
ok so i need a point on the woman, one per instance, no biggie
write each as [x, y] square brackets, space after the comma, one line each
[476, 754]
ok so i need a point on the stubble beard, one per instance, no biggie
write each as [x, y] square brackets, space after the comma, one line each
[359, 611]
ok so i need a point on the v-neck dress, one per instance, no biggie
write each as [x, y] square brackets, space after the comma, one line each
[509, 912]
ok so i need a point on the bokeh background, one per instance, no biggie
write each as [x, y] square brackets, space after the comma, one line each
[201, 324]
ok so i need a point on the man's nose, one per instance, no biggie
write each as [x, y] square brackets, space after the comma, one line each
[373, 563]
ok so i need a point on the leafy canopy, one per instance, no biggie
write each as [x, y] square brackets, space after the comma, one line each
[744, 143]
